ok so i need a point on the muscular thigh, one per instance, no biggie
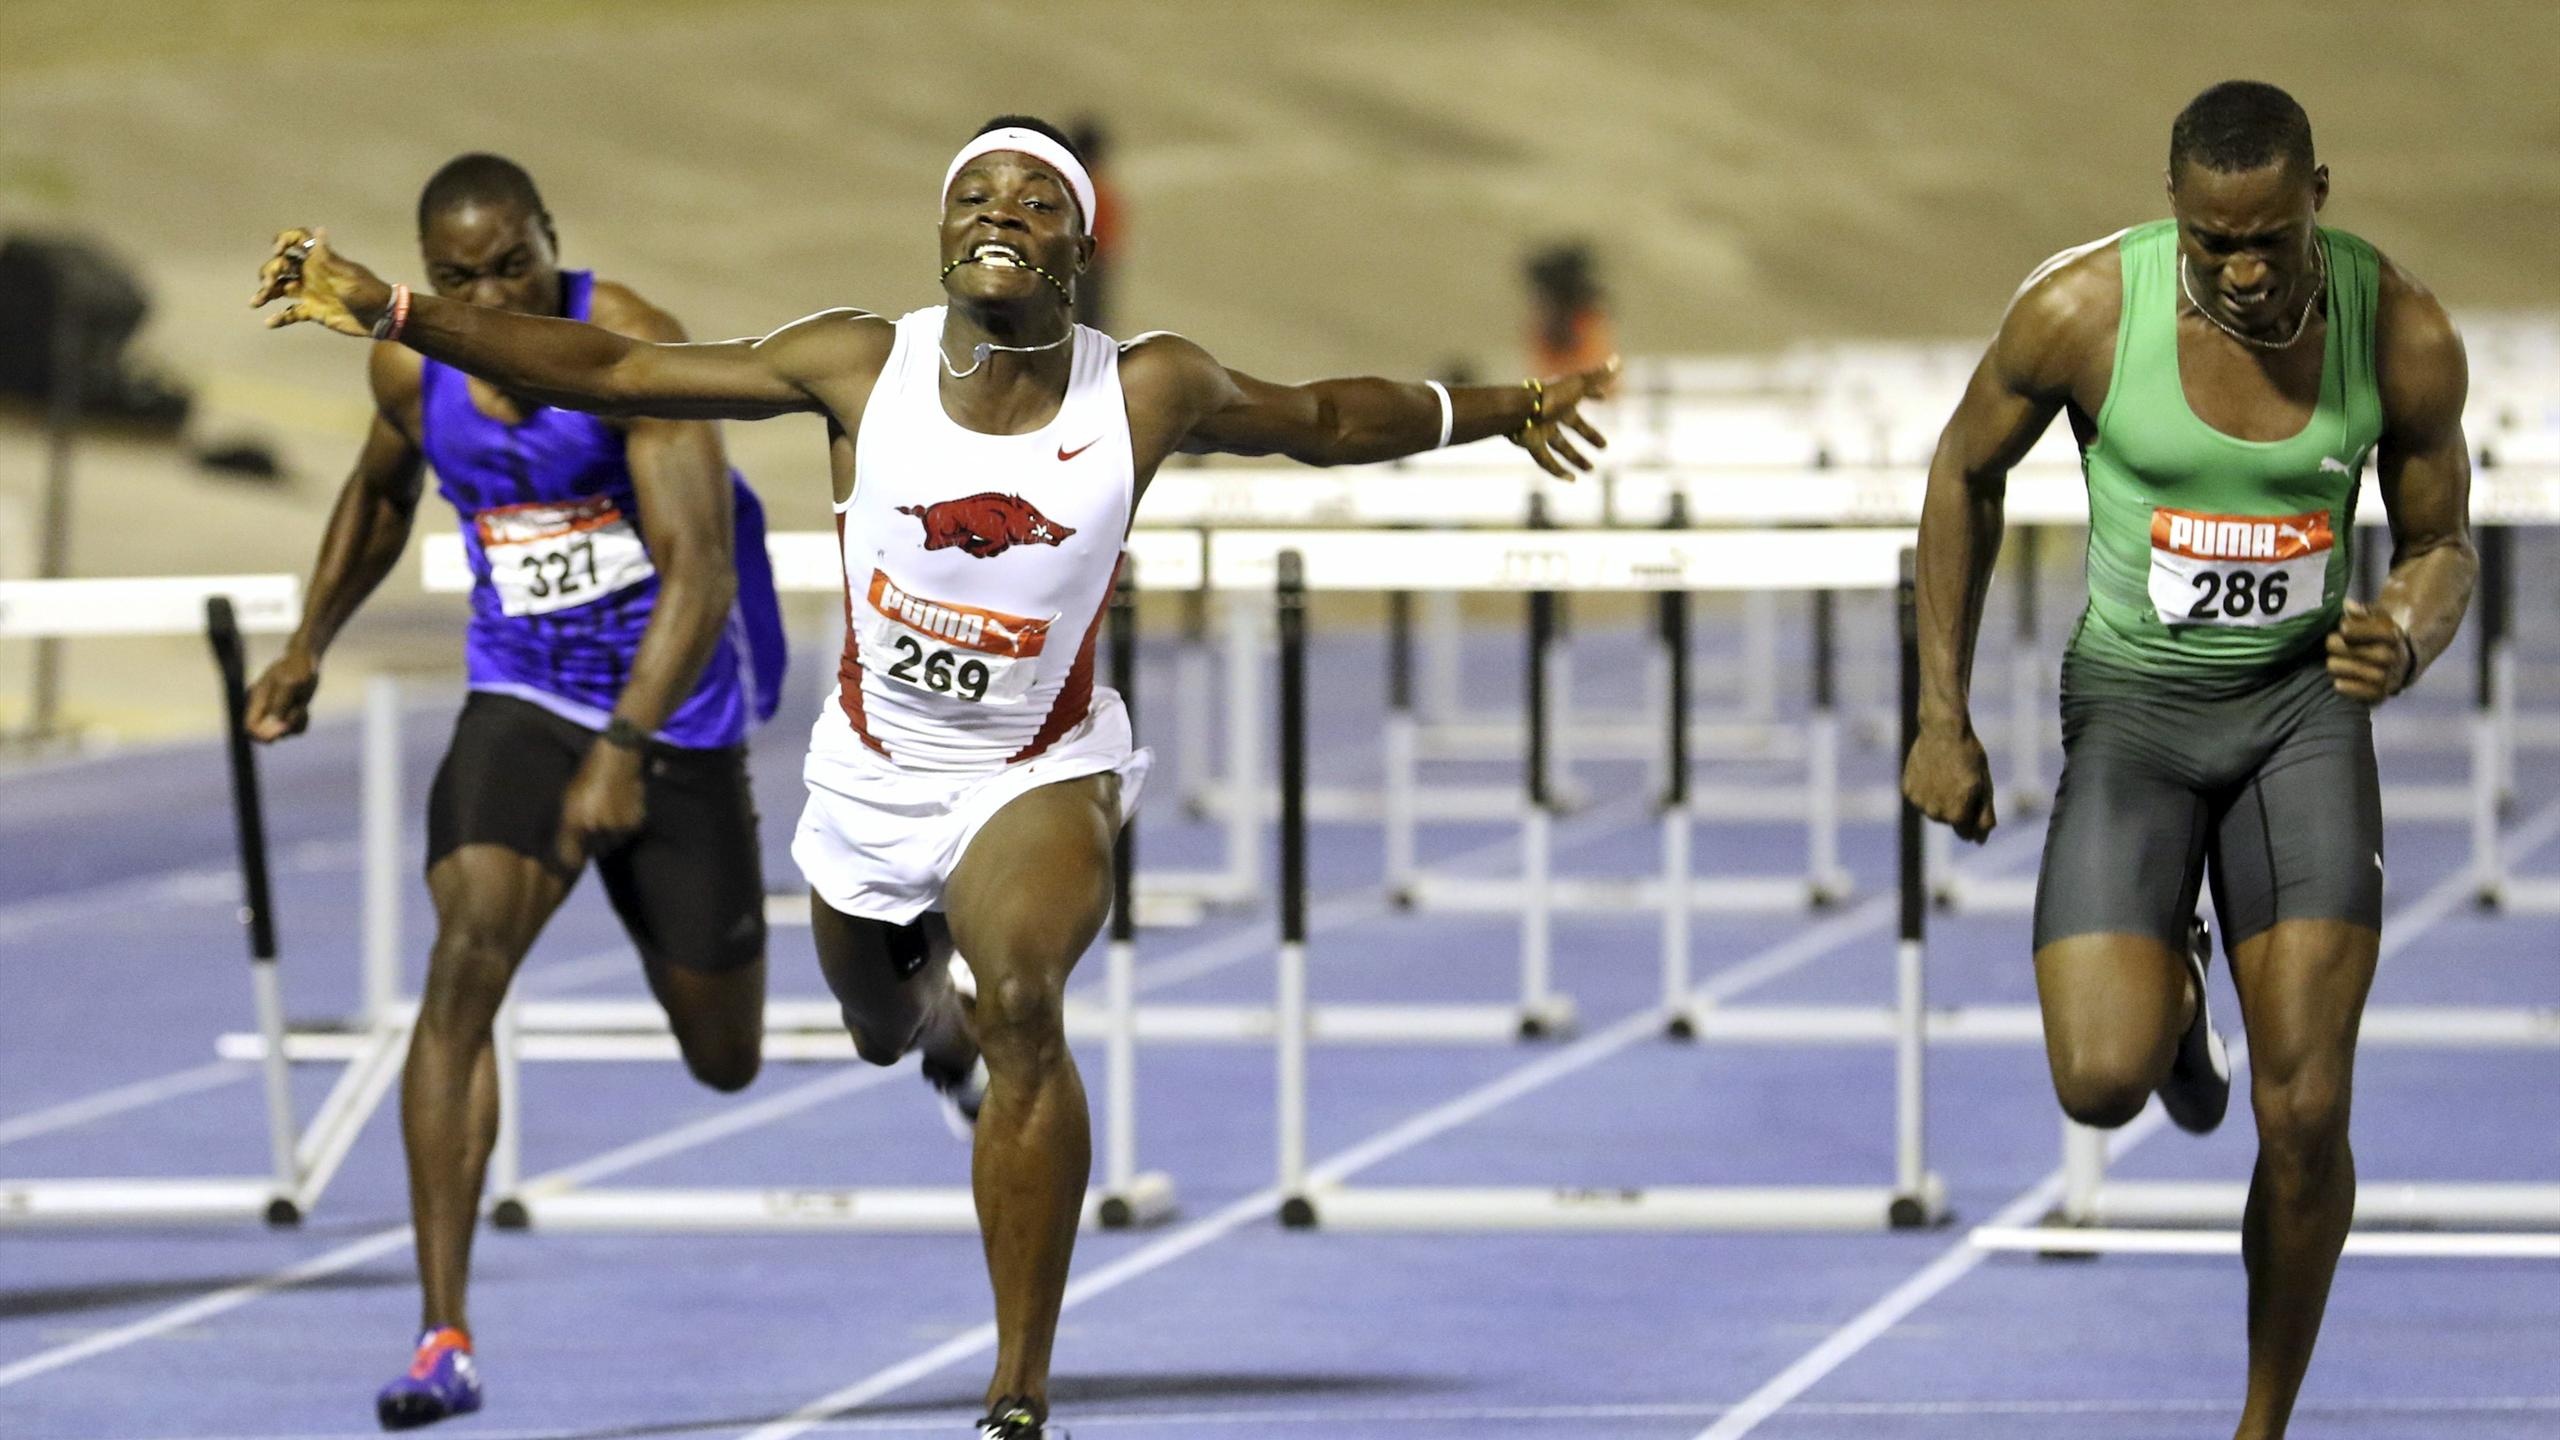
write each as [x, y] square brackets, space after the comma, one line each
[2124, 851]
[690, 886]
[1034, 884]
[2301, 837]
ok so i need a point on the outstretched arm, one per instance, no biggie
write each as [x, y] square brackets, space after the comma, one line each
[2022, 382]
[557, 362]
[368, 530]
[1361, 421]
[2423, 465]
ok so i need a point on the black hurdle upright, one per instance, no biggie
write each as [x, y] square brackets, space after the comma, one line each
[1297, 1211]
[1537, 925]
[1911, 1208]
[1120, 1156]
[2492, 746]
[2026, 710]
[1674, 629]
[1403, 750]
[257, 909]
[1546, 621]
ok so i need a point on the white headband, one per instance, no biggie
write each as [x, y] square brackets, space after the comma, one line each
[1039, 147]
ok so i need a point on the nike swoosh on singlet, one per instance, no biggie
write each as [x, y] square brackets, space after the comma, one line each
[1066, 454]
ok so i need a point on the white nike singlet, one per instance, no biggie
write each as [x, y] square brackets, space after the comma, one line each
[977, 567]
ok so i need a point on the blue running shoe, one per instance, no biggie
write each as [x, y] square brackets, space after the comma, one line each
[442, 1382]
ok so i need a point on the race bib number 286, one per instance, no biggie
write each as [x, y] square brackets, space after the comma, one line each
[2237, 570]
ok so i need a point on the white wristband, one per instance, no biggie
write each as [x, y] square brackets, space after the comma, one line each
[1448, 413]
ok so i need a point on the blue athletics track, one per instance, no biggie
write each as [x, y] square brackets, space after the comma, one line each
[121, 961]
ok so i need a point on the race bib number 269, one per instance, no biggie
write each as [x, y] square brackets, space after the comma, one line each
[955, 651]
[2237, 570]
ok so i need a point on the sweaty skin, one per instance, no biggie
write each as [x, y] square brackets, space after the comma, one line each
[1031, 893]
[2115, 1005]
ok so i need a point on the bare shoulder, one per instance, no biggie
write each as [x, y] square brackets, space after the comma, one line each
[398, 376]
[2072, 297]
[620, 309]
[2410, 322]
[1161, 362]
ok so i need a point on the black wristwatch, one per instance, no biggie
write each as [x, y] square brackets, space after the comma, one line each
[619, 731]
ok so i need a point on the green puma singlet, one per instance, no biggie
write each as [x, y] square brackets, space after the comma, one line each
[2213, 560]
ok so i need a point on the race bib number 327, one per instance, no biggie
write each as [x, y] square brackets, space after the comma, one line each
[545, 557]
[2237, 570]
[959, 652]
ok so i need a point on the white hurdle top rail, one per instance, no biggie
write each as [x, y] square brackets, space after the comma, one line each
[1530, 561]
[146, 605]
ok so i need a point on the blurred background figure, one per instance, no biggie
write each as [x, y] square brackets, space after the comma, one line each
[1568, 326]
[1094, 292]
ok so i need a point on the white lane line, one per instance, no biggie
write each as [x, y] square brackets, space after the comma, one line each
[144, 894]
[177, 1084]
[1874, 915]
[2452, 893]
[205, 1307]
[123, 1098]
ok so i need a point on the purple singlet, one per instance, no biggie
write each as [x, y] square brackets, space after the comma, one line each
[562, 584]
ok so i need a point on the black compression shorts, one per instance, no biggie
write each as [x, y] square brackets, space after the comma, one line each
[689, 886]
[2272, 792]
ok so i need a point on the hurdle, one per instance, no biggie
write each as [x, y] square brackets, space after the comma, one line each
[1290, 566]
[2508, 498]
[302, 1160]
[1127, 1196]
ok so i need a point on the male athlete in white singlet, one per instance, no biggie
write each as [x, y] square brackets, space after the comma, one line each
[967, 779]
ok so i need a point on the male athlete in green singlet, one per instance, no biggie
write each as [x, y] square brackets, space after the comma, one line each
[2227, 373]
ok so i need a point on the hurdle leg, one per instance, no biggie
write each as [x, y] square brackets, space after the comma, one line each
[1128, 1197]
[1194, 694]
[506, 1159]
[1536, 839]
[1244, 743]
[384, 873]
[1760, 654]
[1676, 978]
[1918, 1197]
[1402, 751]
[1297, 1210]
[1825, 879]
[2026, 688]
[1444, 635]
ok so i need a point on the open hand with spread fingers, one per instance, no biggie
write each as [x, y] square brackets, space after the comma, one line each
[319, 285]
[1555, 407]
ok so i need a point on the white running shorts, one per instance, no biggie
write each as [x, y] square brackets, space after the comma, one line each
[881, 841]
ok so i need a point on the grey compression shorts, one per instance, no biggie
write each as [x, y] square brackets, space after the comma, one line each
[2272, 791]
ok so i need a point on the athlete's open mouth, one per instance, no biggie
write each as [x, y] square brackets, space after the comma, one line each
[999, 257]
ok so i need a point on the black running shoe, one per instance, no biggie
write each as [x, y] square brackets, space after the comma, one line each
[2198, 1089]
[1016, 1420]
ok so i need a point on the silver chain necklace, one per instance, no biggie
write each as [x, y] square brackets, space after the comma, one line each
[2301, 326]
[983, 348]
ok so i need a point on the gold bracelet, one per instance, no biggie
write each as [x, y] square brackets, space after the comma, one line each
[1537, 407]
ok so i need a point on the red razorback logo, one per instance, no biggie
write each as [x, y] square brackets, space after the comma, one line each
[985, 525]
